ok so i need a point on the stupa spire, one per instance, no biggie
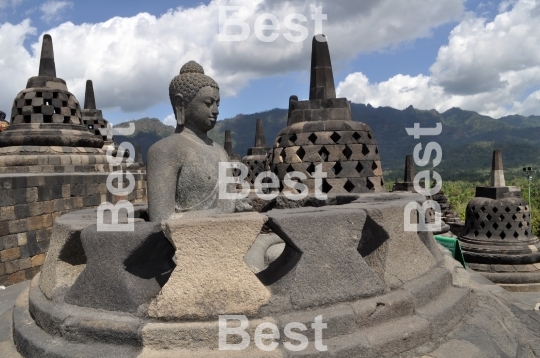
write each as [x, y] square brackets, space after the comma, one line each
[228, 143]
[260, 141]
[46, 63]
[322, 77]
[497, 171]
[89, 98]
[409, 169]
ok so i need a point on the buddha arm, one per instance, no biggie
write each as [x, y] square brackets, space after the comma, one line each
[161, 175]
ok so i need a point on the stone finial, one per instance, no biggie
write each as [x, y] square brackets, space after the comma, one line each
[138, 154]
[409, 169]
[228, 143]
[260, 141]
[46, 63]
[89, 98]
[322, 77]
[497, 171]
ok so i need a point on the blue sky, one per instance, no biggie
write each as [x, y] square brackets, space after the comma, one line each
[478, 55]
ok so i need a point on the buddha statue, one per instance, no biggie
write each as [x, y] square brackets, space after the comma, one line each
[183, 168]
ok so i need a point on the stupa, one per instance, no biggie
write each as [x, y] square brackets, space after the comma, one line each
[447, 214]
[229, 147]
[50, 164]
[47, 128]
[93, 117]
[256, 156]
[321, 131]
[498, 240]
[408, 180]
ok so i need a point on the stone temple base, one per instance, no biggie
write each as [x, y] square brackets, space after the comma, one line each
[518, 278]
[381, 291]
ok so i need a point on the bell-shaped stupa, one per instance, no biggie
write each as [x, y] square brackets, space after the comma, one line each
[93, 117]
[498, 240]
[46, 127]
[321, 131]
[255, 160]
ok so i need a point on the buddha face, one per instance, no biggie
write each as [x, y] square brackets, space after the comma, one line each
[201, 113]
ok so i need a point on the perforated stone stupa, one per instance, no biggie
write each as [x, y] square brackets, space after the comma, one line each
[256, 156]
[46, 127]
[93, 117]
[498, 240]
[321, 130]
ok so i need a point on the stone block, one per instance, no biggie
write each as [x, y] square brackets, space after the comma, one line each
[35, 209]
[47, 110]
[12, 266]
[21, 239]
[17, 277]
[211, 278]
[18, 226]
[32, 195]
[36, 118]
[57, 118]
[327, 266]
[124, 269]
[37, 260]
[7, 213]
[395, 254]
[25, 263]
[22, 211]
[4, 228]
[24, 251]
[34, 223]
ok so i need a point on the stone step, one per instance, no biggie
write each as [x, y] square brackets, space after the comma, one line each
[32, 341]
[447, 310]
[79, 324]
[428, 287]
[385, 340]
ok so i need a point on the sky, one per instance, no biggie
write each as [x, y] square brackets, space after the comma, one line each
[482, 56]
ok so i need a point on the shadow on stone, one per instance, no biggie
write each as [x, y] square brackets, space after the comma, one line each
[73, 252]
[373, 236]
[281, 266]
[153, 259]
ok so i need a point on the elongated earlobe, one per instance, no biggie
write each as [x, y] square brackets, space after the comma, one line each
[179, 109]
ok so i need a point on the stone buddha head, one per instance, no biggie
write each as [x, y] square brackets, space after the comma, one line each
[194, 98]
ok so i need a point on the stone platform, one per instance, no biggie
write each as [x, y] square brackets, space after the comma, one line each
[381, 291]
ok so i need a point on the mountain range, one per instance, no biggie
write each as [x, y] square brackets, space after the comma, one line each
[467, 139]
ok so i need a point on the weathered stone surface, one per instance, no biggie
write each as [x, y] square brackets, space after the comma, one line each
[124, 269]
[211, 277]
[395, 254]
[329, 268]
[376, 310]
[66, 258]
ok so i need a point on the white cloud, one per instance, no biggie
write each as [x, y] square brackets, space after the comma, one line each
[52, 9]
[489, 67]
[9, 3]
[170, 120]
[132, 60]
